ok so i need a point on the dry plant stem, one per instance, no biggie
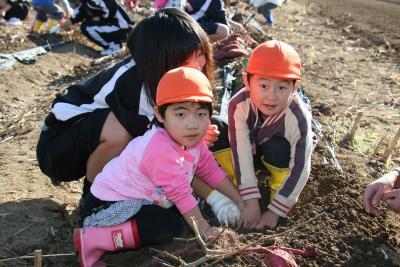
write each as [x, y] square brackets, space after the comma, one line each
[296, 227]
[178, 259]
[183, 239]
[6, 139]
[20, 231]
[210, 254]
[350, 136]
[212, 240]
[32, 257]
[355, 124]
[220, 255]
[198, 236]
[163, 263]
[392, 145]
[182, 263]
[203, 245]
[37, 260]
[378, 145]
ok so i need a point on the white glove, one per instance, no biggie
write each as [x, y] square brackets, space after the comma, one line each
[224, 209]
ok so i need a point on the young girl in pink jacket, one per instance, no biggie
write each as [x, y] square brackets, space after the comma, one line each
[150, 182]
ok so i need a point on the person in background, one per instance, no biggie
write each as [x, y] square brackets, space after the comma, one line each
[48, 11]
[265, 7]
[387, 189]
[156, 170]
[103, 22]
[212, 17]
[13, 11]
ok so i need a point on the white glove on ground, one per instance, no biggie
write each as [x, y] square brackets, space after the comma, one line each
[224, 209]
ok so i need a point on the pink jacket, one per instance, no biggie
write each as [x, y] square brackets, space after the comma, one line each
[155, 168]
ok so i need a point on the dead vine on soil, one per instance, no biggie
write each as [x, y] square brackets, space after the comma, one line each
[218, 255]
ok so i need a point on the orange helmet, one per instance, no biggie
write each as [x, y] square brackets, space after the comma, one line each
[183, 84]
[275, 59]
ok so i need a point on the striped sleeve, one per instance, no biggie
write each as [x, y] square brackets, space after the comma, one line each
[298, 132]
[239, 132]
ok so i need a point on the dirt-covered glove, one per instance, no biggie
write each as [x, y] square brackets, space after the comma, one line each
[224, 209]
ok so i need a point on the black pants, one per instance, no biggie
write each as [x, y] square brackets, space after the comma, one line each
[156, 225]
[265, 9]
[64, 149]
[18, 10]
[104, 34]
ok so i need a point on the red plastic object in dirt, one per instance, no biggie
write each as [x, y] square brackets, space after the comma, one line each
[281, 256]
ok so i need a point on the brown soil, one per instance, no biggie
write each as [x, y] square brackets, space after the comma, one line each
[351, 64]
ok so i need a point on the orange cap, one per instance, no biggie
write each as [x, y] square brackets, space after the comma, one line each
[183, 84]
[275, 59]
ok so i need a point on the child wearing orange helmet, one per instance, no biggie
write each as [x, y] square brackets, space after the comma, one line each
[149, 183]
[269, 128]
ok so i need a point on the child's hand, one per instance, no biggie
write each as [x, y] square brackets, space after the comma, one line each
[210, 232]
[211, 135]
[250, 214]
[66, 25]
[392, 199]
[236, 26]
[373, 194]
[268, 219]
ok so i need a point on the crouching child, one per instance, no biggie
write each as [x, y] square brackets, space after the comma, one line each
[149, 184]
[269, 129]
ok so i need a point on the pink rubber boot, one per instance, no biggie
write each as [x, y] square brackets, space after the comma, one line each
[92, 242]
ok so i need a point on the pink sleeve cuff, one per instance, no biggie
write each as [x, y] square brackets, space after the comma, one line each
[186, 205]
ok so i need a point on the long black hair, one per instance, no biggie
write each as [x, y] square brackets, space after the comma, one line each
[164, 41]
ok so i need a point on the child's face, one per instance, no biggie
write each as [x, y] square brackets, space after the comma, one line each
[186, 122]
[270, 95]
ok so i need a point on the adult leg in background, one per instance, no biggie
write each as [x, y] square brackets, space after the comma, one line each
[265, 10]
[104, 35]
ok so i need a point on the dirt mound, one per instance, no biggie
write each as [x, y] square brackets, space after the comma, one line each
[346, 235]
